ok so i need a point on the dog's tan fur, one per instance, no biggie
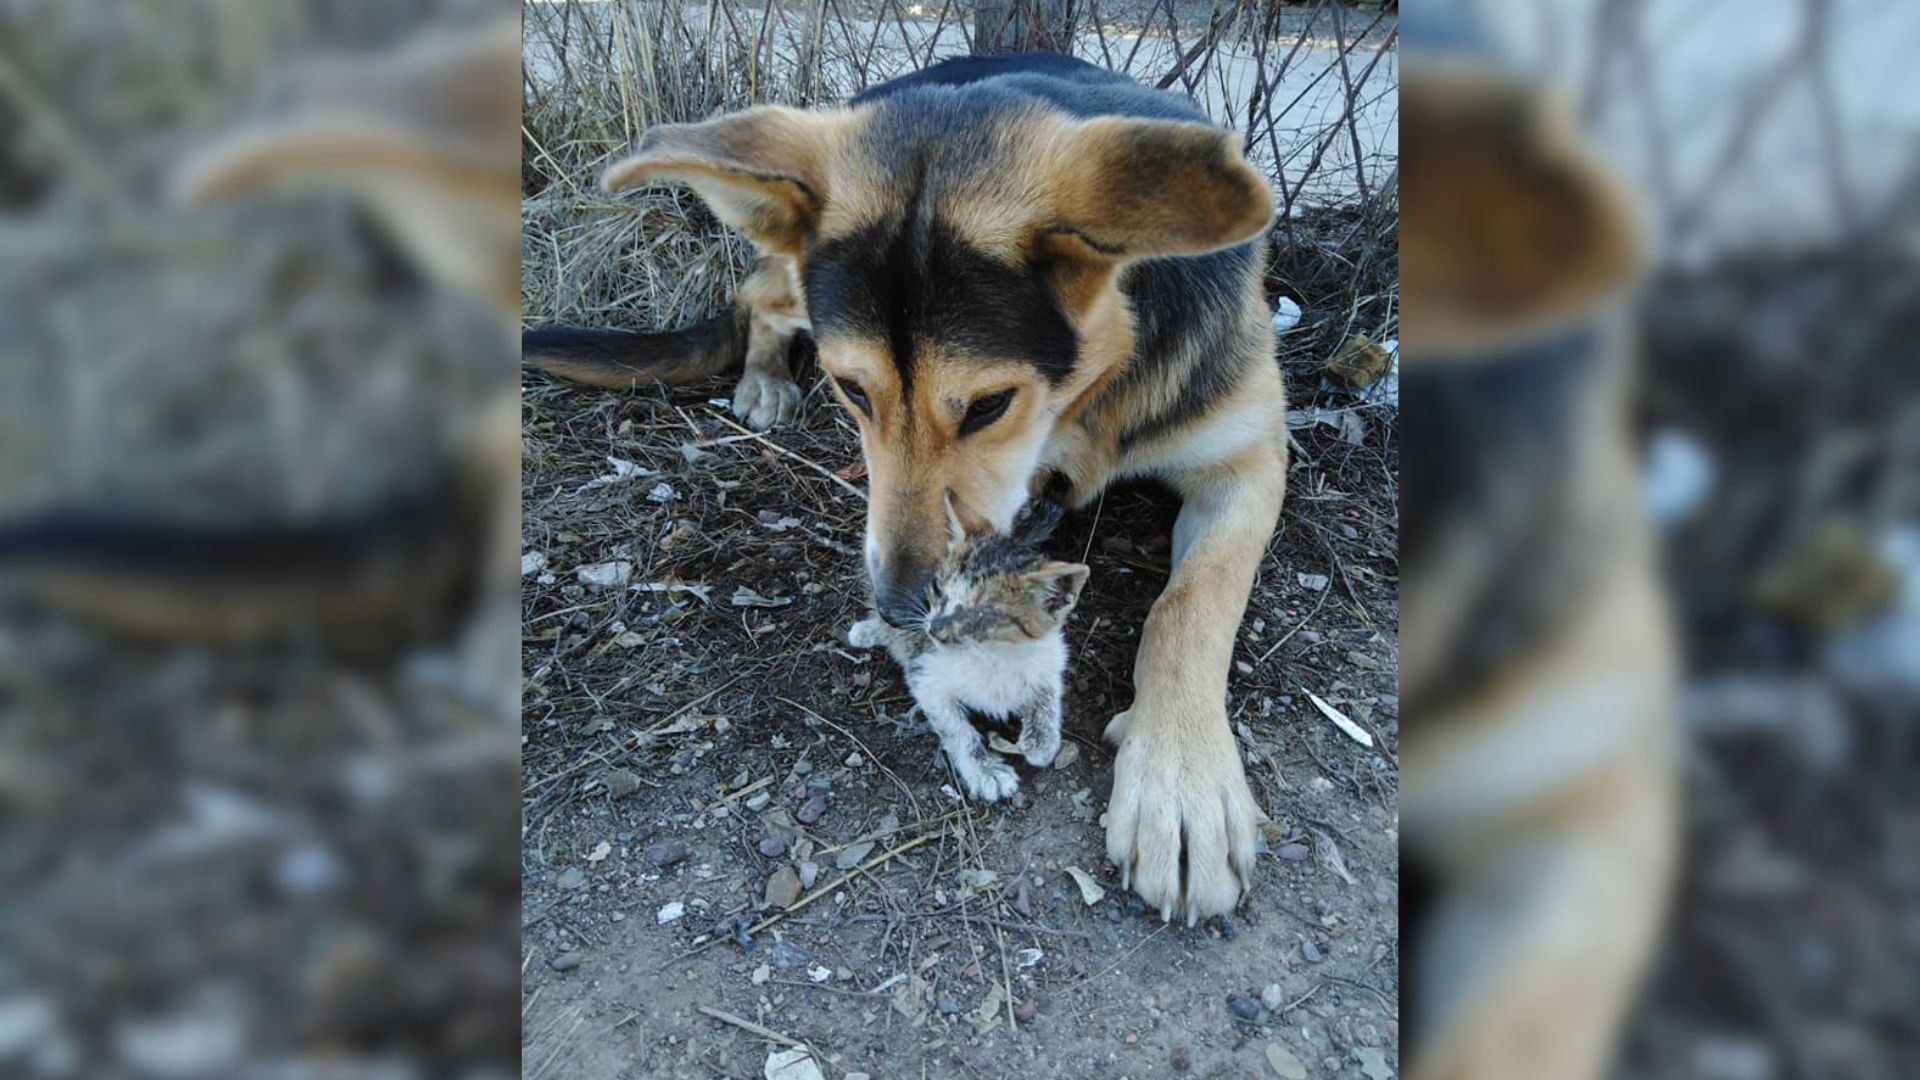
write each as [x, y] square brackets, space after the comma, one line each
[1087, 199]
[1542, 794]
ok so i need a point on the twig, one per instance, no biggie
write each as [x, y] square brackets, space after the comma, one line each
[778, 449]
[749, 1026]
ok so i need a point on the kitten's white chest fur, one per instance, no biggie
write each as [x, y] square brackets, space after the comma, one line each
[1001, 679]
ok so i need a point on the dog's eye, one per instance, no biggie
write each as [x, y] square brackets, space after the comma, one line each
[855, 395]
[985, 411]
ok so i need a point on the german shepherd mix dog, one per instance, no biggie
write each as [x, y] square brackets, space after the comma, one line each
[1538, 795]
[1022, 272]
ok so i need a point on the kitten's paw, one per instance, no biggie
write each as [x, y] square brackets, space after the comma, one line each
[1039, 744]
[985, 776]
[868, 633]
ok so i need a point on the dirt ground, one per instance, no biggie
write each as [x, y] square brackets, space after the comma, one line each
[677, 729]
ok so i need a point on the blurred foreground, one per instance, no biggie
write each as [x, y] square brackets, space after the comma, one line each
[256, 663]
[1772, 422]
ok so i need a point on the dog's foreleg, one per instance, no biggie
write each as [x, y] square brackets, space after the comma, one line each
[766, 394]
[1178, 784]
[1542, 935]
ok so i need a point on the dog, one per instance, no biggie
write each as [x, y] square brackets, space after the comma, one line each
[1538, 796]
[425, 138]
[1022, 273]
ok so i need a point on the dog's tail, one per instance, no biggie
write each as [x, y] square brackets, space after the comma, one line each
[366, 585]
[625, 359]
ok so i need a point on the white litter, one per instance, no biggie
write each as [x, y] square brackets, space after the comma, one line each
[1353, 730]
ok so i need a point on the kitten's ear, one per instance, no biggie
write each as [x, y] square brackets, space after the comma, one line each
[1037, 521]
[1062, 582]
[956, 531]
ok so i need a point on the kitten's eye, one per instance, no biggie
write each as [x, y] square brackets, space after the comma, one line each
[985, 411]
[855, 395]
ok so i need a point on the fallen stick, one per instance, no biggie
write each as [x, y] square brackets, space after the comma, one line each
[747, 1025]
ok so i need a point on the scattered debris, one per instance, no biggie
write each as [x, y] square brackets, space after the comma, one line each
[783, 888]
[1330, 855]
[606, 575]
[1354, 731]
[792, 1064]
[669, 913]
[532, 562]
[1286, 314]
[1373, 1062]
[853, 855]
[622, 470]
[745, 596]
[1069, 753]
[1284, 1062]
[600, 851]
[621, 783]
[1090, 890]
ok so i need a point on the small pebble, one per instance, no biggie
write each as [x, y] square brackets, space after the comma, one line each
[1243, 1008]
[947, 1006]
[1131, 1038]
[802, 767]
[1022, 900]
[1113, 914]
[666, 853]
[1312, 952]
[1292, 852]
[1182, 1059]
[854, 761]
[1136, 906]
[773, 846]
[571, 878]
[810, 811]
[758, 801]
[1270, 997]
[783, 888]
[1026, 1010]
[809, 873]
[566, 961]
[621, 782]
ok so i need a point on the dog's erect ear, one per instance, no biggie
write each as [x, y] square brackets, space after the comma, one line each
[1122, 188]
[762, 171]
[1512, 221]
[1062, 581]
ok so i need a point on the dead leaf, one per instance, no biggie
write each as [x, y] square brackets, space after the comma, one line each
[607, 574]
[792, 1064]
[622, 470]
[1285, 1063]
[1000, 745]
[988, 1015]
[746, 597]
[853, 855]
[1330, 855]
[1090, 890]
[1353, 730]
[630, 640]
[1373, 1062]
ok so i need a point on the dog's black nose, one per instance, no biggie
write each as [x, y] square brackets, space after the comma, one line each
[900, 598]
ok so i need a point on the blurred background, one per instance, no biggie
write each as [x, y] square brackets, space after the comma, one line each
[256, 781]
[1777, 147]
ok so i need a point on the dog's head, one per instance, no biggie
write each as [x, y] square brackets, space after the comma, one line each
[959, 255]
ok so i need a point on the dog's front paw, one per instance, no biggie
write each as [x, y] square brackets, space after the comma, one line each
[1180, 799]
[868, 633]
[985, 776]
[763, 400]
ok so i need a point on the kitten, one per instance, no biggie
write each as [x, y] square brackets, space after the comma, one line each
[992, 641]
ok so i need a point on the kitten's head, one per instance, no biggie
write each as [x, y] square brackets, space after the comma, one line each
[1002, 588]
